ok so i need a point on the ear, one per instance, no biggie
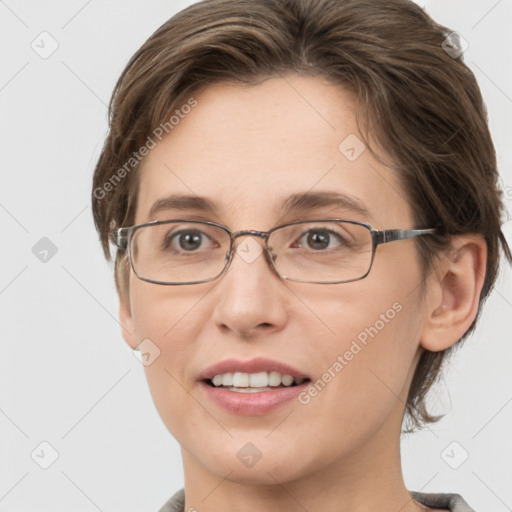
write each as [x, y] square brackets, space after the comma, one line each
[455, 292]
[127, 324]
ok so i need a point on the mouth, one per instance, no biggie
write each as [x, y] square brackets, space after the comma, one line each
[241, 382]
[252, 388]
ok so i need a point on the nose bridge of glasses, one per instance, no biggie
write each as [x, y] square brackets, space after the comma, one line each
[247, 251]
[249, 232]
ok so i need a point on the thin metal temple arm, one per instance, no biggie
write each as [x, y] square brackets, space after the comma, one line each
[390, 235]
[121, 238]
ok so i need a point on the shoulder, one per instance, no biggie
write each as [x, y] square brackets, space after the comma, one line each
[449, 501]
[176, 503]
[452, 502]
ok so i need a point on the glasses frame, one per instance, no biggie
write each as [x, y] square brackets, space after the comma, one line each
[122, 238]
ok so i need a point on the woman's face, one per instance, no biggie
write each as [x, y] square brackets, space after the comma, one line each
[248, 149]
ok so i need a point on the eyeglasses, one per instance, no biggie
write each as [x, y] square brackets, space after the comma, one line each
[327, 251]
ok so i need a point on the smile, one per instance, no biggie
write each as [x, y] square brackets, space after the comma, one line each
[253, 387]
[241, 382]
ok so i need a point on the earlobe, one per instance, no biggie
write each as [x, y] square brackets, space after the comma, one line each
[127, 324]
[457, 291]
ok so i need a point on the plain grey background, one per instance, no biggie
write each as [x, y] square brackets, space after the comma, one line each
[67, 378]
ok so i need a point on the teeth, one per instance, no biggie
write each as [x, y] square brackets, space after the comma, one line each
[287, 380]
[254, 380]
[258, 380]
[274, 379]
[227, 379]
[217, 380]
[248, 390]
[240, 380]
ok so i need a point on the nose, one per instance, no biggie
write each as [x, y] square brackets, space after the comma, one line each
[251, 298]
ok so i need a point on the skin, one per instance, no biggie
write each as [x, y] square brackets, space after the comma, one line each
[249, 148]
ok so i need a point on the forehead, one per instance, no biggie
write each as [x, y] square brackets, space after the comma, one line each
[249, 148]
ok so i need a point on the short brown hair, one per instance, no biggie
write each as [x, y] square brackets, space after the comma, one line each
[417, 101]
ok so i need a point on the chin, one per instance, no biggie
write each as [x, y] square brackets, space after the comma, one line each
[252, 457]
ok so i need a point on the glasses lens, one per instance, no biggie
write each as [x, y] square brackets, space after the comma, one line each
[179, 252]
[323, 251]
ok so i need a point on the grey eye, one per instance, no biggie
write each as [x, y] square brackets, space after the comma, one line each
[320, 239]
[189, 240]
[186, 240]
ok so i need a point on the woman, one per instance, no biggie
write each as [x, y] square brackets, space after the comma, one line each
[304, 200]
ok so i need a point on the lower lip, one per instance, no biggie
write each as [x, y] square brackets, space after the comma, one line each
[252, 404]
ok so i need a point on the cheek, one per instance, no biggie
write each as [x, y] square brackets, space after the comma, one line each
[364, 362]
[363, 375]
[163, 313]
[172, 319]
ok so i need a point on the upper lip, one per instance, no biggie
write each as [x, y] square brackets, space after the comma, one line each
[259, 364]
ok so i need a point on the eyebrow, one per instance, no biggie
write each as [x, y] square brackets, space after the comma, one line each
[308, 201]
[183, 202]
[303, 202]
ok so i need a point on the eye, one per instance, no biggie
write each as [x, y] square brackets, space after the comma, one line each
[186, 240]
[320, 239]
